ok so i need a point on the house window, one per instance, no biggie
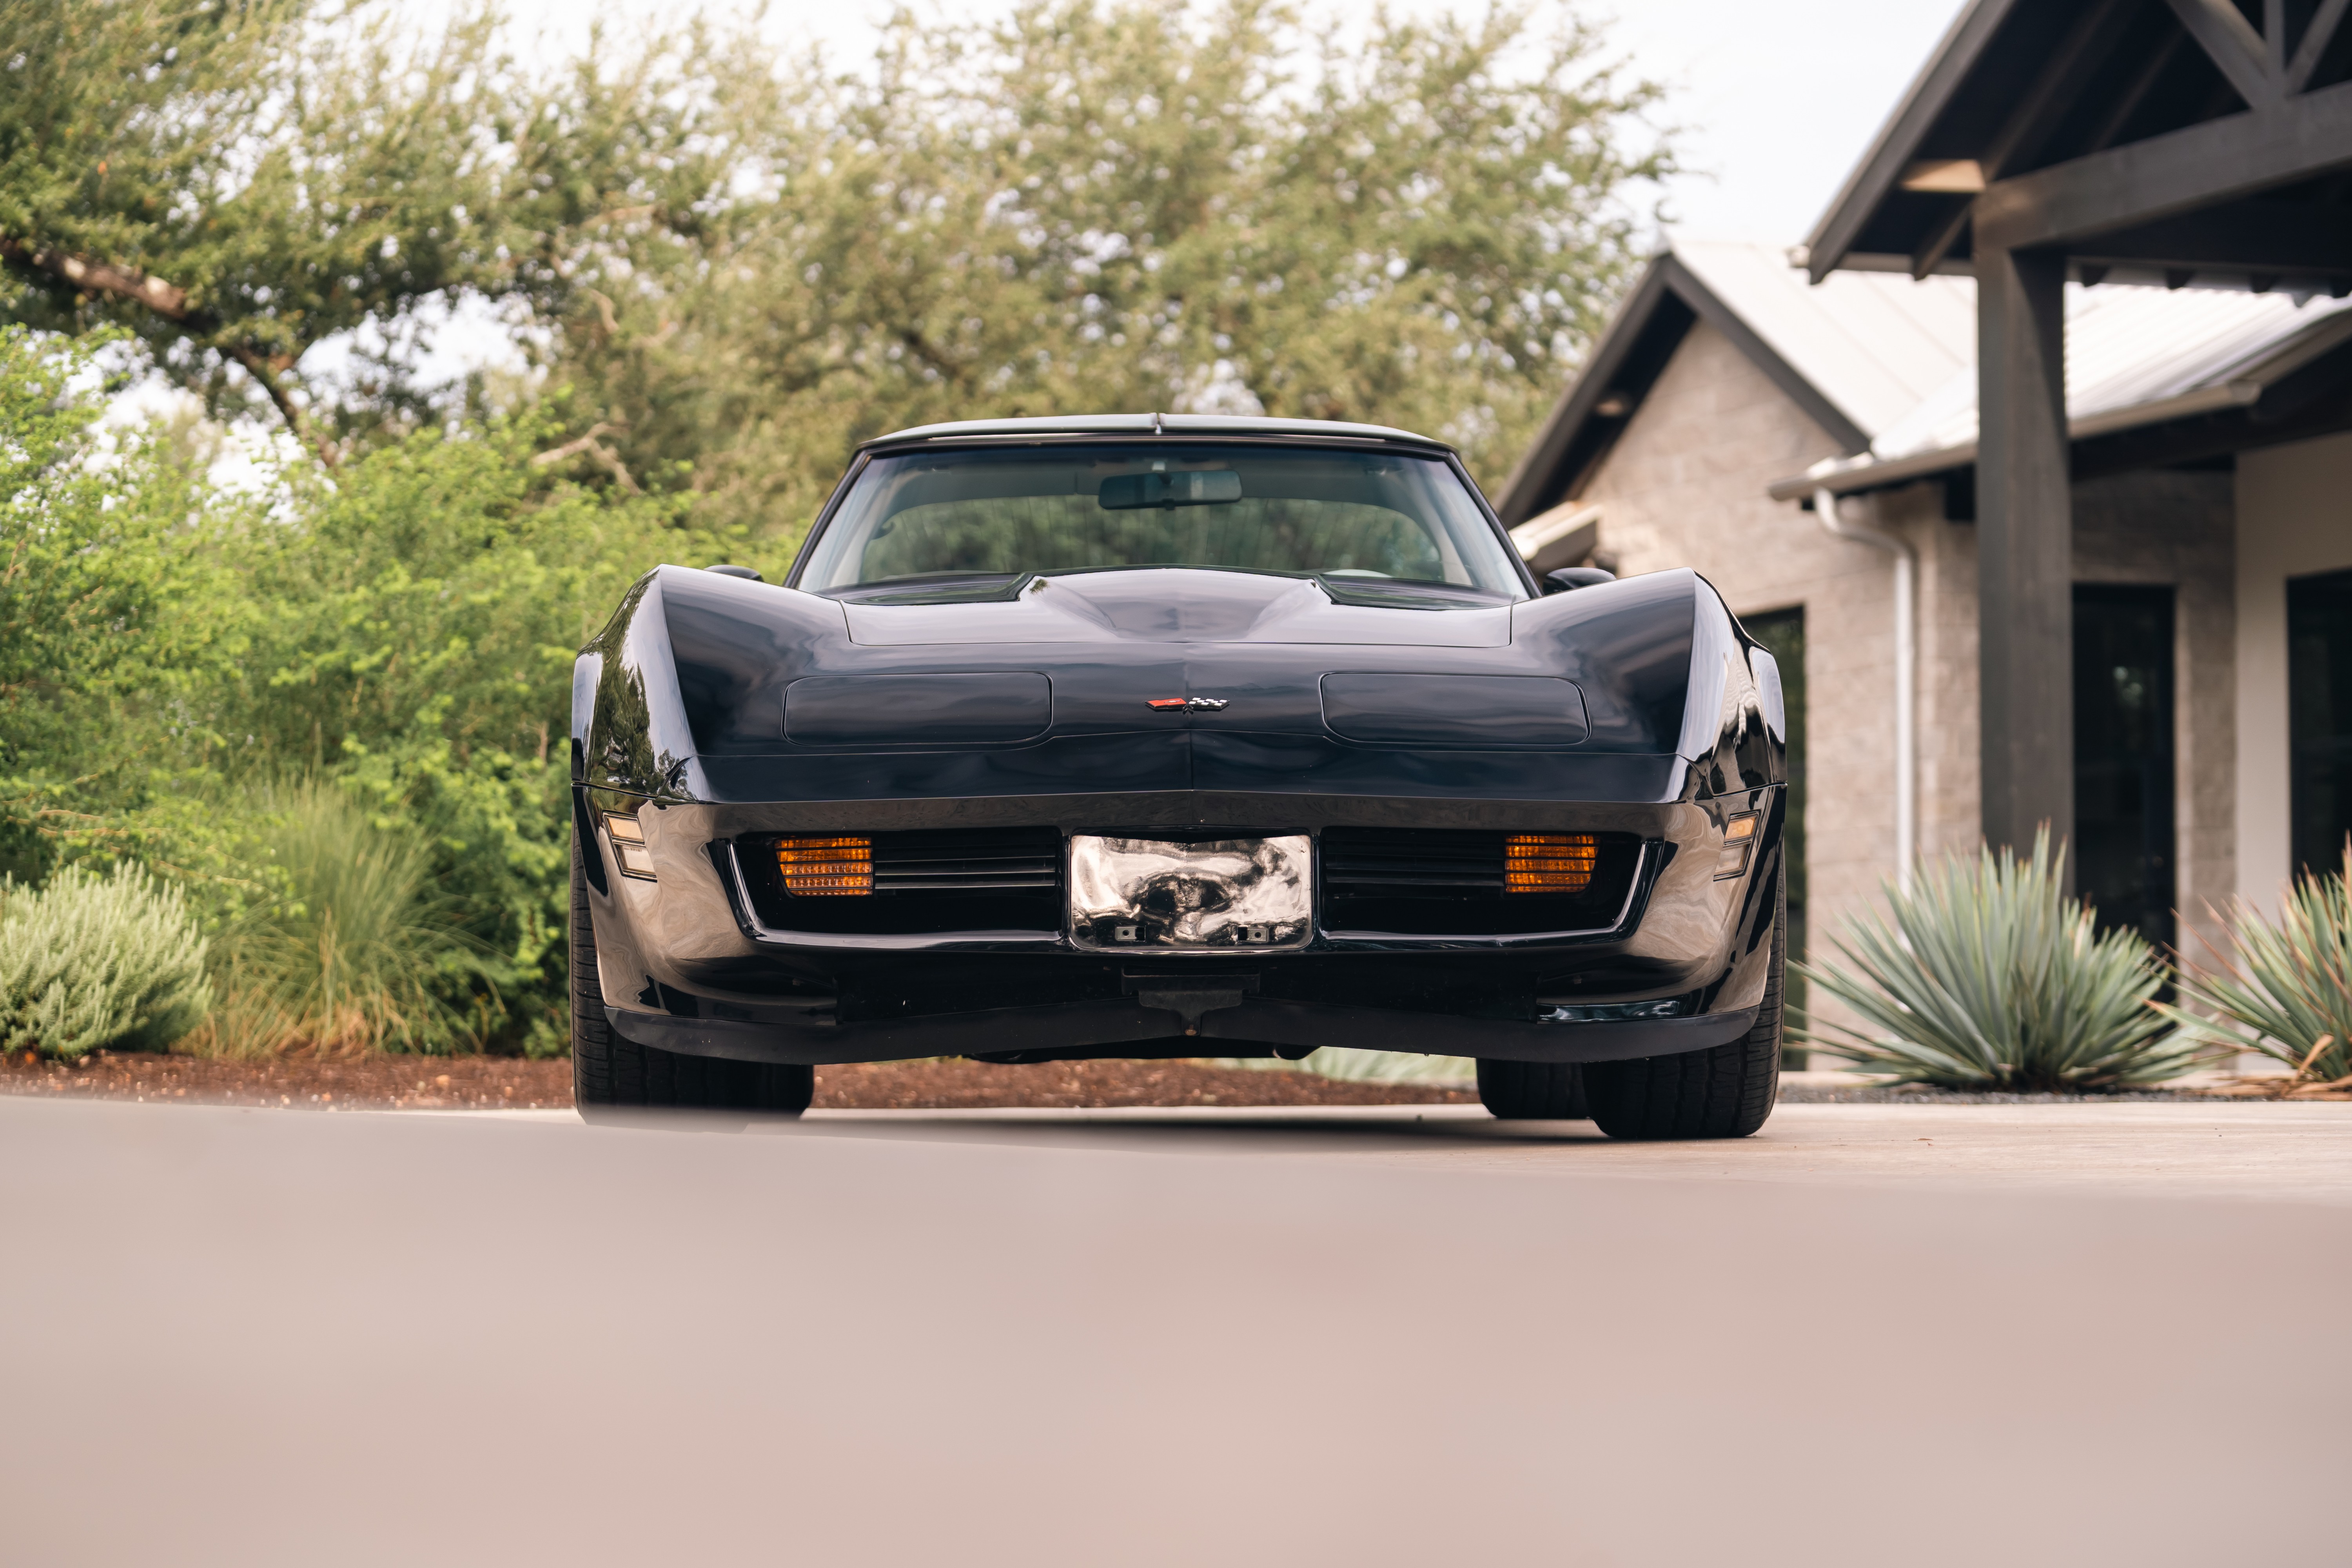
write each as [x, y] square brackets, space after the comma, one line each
[2319, 717]
[2124, 820]
[1782, 633]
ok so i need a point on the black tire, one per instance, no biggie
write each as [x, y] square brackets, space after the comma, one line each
[612, 1076]
[1532, 1091]
[1724, 1092]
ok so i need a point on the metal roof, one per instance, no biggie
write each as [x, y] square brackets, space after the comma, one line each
[1873, 343]
[1155, 425]
[1887, 364]
[2135, 356]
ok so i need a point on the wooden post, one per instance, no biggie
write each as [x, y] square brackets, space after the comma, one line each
[2024, 548]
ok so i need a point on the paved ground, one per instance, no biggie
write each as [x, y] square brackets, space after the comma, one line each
[2041, 1335]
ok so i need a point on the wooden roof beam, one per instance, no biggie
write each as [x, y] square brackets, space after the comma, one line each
[2323, 24]
[2038, 109]
[2179, 172]
[2230, 40]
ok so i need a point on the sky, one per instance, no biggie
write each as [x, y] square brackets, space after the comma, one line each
[1778, 99]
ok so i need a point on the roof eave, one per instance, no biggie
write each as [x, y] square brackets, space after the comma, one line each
[1881, 168]
[1853, 475]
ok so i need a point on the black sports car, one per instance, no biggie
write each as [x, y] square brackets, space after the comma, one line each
[1159, 736]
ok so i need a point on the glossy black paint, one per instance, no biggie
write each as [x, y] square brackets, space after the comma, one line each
[718, 708]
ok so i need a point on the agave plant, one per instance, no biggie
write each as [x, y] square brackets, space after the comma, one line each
[1990, 977]
[2287, 992]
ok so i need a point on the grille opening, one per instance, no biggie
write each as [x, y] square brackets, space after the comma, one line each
[1467, 882]
[947, 879]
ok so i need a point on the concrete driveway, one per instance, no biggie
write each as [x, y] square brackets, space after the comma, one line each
[1894, 1335]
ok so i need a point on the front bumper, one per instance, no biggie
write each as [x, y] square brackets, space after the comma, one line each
[687, 967]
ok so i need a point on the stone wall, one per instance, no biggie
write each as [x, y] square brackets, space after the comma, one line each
[1685, 486]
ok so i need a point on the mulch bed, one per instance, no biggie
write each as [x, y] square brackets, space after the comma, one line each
[511, 1083]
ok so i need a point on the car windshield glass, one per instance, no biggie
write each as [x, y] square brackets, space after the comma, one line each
[1372, 518]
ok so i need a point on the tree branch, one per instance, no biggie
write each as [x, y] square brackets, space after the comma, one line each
[95, 276]
[591, 444]
[257, 365]
[169, 301]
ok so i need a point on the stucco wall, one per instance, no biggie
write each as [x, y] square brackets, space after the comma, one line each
[2294, 517]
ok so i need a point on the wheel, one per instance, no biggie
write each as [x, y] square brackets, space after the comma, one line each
[1532, 1091]
[1724, 1092]
[611, 1073]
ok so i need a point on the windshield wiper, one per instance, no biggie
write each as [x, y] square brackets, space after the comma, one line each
[936, 588]
[1407, 593]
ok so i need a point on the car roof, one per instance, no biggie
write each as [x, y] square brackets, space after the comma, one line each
[1156, 425]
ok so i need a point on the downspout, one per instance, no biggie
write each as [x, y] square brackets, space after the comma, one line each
[1906, 654]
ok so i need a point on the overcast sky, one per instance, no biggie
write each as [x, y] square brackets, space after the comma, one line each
[1778, 97]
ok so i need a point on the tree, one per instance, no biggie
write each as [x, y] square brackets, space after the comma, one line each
[1102, 205]
[237, 181]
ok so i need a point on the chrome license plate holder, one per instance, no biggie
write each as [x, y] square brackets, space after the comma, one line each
[1217, 895]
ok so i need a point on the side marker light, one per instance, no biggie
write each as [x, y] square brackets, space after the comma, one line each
[1739, 841]
[629, 847]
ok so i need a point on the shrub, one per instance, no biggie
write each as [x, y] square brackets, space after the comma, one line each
[1990, 977]
[92, 961]
[1348, 1064]
[350, 949]
[2288, 993]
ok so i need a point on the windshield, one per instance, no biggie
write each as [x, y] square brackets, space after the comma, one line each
[1372, 518]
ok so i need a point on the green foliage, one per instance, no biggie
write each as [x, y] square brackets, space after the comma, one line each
[405, 631]
[352, 947]
[736, 266]
[1990, 977]
[238, 181]
[1106, 206]
[1349, 1066]
[2287, 991]
[90, 961]
[111, 611]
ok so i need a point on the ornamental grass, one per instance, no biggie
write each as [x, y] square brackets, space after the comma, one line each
[1988, 976]
[353, 951]
[2284, 989]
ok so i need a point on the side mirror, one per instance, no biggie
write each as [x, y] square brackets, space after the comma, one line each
[736, 572]
[1569, 577]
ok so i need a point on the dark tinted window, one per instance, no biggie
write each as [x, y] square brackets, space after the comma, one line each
[987, 511]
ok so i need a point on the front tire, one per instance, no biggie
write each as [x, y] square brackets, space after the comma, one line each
[613, 1074]
[1532, 1091]
[1724, 1092]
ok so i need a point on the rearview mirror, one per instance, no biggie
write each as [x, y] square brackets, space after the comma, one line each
[1197, 487]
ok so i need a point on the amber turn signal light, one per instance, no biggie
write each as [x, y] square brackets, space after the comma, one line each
[1549, 862]
[826, 867]
[1738, 839]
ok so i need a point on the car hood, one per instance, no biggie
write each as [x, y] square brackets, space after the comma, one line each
[1175, 605]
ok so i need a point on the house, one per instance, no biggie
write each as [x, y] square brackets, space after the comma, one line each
[2037, 464]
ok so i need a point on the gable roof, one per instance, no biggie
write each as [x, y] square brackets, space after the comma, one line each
[1858, 354]
[2136, 358]
[1886, 365]
[2047, 103]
